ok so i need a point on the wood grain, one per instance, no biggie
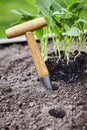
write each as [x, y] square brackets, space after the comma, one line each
[38, 60]
[21, 29]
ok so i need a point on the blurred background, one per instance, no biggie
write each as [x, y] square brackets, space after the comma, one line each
[6, 16]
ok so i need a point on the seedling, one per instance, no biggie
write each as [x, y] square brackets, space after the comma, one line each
[66, 21]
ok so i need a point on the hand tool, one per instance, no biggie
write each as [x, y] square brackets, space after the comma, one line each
[26, 28]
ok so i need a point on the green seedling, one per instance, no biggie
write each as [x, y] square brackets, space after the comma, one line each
[66, 20]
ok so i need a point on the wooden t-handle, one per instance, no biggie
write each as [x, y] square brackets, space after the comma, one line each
[38, 60]
[21, 29]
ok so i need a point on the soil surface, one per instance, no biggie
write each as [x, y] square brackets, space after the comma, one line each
[26, 105]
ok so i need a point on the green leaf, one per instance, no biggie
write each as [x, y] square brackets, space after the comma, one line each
[82, 3]
[20, 20]
[74, 7]
[26, 13]
[39, 34]
[24, 16]
[83, 14]
[44, 7]
[68, 21]
[72, 4]
[22, 12]
[44, 3]
[74, 31]
[62, 3]
[56, 6]
[66, 13]
[16, 12]
[58, 13]
[32, 7]
[81, 21]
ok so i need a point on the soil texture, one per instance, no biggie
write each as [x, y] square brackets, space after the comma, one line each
[60, 70]
[26, 105]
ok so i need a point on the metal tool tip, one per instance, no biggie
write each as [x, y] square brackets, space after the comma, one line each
[46, 82]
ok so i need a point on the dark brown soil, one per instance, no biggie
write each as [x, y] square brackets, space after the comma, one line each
[60, 70]
[26, 105]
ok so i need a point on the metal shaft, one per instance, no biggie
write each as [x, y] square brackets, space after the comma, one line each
[46, 82]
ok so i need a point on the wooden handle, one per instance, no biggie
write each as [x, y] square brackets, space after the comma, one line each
[21, 29]
[38, 60]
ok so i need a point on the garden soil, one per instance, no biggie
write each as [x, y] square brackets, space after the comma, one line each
[26, 105]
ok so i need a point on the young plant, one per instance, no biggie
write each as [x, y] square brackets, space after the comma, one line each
[66, 20]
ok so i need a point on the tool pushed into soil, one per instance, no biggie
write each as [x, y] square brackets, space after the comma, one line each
[26, 28]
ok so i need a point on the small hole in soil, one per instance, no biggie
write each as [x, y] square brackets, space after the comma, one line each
[57, 113]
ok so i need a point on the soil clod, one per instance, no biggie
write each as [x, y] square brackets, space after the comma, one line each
[57, 113]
